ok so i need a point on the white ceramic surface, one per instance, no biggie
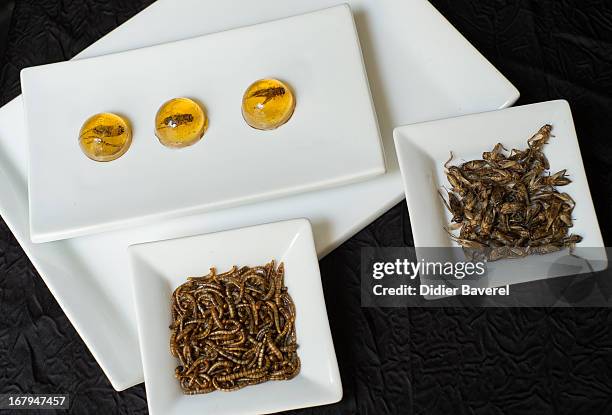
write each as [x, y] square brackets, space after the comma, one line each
[332, 138]
[419, 68]
[159, 267]
[422, 150]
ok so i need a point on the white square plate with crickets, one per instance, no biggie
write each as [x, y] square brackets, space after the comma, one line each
[509, 187]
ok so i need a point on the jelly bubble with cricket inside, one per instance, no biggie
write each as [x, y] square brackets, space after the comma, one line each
[105, 137]
[180, 122]
[267, 104]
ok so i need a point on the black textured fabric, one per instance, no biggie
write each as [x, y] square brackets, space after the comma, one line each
[392, 361]
[6, 13]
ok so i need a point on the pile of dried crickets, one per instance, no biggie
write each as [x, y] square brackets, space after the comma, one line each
[508, 206]
[234, 329]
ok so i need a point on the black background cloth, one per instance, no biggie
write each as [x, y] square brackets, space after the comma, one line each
[392, 361]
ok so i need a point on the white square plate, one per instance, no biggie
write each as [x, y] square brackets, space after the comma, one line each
[447, 77]
[331, 139]
[422, 150]
[159, 267]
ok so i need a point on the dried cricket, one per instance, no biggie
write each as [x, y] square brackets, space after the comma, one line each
[174, 121]
[269, 93]
[506, 205]
[100, 132]
[233, 330]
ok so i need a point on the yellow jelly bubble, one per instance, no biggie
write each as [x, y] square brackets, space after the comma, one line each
[105, 137]
[180, 122]
[267, 104]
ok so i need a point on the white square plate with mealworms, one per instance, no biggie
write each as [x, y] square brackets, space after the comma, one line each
[158, 268]
[331, 139]
[447, 77]
[423, 150]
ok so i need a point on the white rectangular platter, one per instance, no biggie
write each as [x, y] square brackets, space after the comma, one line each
[419, 68]
[331, 139]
